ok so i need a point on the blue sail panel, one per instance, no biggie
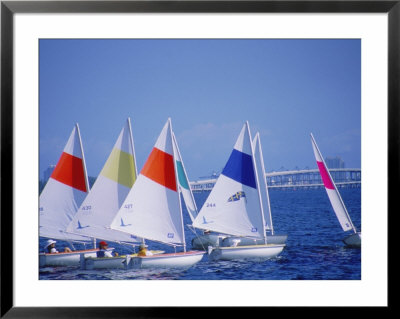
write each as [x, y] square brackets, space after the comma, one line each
[240, 168]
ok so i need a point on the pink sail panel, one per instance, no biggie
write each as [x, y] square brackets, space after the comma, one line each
[325, 176]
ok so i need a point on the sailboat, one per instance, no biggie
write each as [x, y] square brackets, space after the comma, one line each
[215, 239]
[273, 238]
[100, 206]
[234, 206]
[353, 240]
[59, 201]
[152, 209]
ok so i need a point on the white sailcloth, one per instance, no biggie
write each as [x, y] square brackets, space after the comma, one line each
[108, 193]
[331, 189]
[183, 183]
[259, 160]
[152, 208]
[64, 192]
[233, 206]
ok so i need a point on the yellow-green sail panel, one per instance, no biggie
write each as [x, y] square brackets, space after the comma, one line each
[120, 168]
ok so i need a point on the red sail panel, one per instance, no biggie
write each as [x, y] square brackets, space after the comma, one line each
[159, 167]
[69, 171]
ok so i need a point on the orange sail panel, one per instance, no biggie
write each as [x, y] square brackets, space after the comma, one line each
[159, 167]
[70, 171]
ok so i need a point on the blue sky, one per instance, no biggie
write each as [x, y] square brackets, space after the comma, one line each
[284, 88]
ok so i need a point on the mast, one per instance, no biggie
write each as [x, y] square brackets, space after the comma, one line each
[334, 185]
[134, 156]
[177, 183]
[83, 157]
[133, 146]
[85, 171]
[184, 172]
[258, 183]
[265, 180]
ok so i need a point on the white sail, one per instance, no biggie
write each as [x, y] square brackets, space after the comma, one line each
[183, 183]
[64, 192]
[336, 201]
[233, 206]
[152, 208]
[259, 160]
[108, 193]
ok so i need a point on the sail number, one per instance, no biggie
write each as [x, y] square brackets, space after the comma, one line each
[128, 206]
[210, 204]
[88, 207]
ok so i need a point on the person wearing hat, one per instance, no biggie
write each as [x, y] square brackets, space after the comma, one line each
[50, 247]
[143, 251]
[103, 250]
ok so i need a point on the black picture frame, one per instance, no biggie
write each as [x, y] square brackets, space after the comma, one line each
[9, 8]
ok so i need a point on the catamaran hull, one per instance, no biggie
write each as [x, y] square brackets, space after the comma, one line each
[245, 252]
[64, 259]
[175, 260]
[354, 240]
[271, 239]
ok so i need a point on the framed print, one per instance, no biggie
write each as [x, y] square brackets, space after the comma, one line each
[204, 93]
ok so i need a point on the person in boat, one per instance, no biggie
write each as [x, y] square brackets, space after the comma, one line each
[143, 251]
[51, 247]
[103, 251]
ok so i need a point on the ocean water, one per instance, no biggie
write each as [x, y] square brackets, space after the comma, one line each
[314, 248]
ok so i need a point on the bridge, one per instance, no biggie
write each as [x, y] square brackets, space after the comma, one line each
[310, 178]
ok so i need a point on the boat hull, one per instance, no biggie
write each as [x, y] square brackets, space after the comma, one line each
[215, 240]
[354, 240]
[119, 262]
[271, 239]
[174, 260]
[64, 258]
[203, 241]
[245, 252]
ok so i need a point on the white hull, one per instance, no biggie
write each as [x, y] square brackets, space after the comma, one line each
[64, 259]
[174, 260]
[245, 252]
[119, 262]
[271, 239]
[354, 240]
[203, 241]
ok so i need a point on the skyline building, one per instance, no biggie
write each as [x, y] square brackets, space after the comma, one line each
[334, 162]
